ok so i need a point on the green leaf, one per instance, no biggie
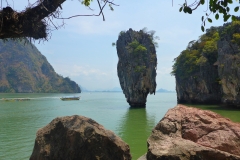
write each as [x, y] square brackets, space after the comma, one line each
[202, 18]
[202, 28]
[202, 2]
[217, 16]
[228, 9]
[188, 10]
[226, 17]
[234, 18]
[209, 20]
[230, 1]
[180, 10]
[86, 2]
[236, 9]
[225, 3]
[185, 9]
[111, 8]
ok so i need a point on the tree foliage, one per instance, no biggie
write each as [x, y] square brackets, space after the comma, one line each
[216, 7]
[197, 53]
[204, 50]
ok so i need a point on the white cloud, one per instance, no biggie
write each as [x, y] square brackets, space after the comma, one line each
[164, 70]
[94, 27]
[77, 70]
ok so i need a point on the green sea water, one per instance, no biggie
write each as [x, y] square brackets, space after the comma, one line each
[20, 120]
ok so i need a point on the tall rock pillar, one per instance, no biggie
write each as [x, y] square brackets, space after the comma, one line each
[136, 66]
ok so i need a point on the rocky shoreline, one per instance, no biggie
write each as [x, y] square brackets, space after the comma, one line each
[183, 133]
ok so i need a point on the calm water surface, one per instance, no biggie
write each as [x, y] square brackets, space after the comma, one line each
[19, 121]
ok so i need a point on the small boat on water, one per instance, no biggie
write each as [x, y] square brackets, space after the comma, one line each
[15, 99]
[69, 98]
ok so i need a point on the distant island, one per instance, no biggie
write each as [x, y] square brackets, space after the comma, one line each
[118, 89]
[115, 89]
[165, 91]
[23, 69]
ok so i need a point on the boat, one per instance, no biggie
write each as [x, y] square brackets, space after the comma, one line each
[69, 98]
[15, 99]
[22, 99]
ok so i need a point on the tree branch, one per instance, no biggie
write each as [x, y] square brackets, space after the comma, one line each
[28, 23]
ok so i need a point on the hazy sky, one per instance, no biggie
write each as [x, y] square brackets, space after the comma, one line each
[82, 50]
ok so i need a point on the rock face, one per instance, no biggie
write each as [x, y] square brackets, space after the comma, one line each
[217, 81]
[200, 88]
[78, 137]
[23, 69]
[229, 69]
[189, 133]
[136, 66]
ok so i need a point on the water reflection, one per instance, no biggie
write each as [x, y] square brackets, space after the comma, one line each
[135, 127]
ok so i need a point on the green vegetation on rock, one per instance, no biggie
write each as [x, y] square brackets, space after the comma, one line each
[197, 54]
[204, 50]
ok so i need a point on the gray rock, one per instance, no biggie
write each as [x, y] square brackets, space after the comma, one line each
[78, 137]
[229, 70]
[136, 70]
[200, 87]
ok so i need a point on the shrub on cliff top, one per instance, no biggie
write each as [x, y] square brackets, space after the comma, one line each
[197, 53]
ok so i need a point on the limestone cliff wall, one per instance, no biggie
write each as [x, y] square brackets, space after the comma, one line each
[229, 70]
[201, 87]
[136, 67]
[217, 82]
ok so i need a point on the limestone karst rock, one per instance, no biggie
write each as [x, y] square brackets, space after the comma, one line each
[190, 133]
[136, 66]
[78, 137]
[208, 71]
[229, 66]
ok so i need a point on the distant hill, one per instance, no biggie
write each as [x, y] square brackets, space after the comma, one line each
[164, 90]
[23, 69]
[115, 89]
[83, 89]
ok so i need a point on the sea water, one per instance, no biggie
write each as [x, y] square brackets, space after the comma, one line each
[20, 120]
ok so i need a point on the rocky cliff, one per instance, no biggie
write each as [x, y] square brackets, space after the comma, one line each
[229, 63]
[24, 69]
[208, 70]
[136, 66]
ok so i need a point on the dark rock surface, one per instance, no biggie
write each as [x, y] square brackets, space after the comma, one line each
[78, 137]
[229, 71]
[136, 71]
[200, 88]
[190, 133]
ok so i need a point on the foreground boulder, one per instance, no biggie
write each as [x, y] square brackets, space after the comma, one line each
[190, 133]
[78, 137]
[137, 66]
